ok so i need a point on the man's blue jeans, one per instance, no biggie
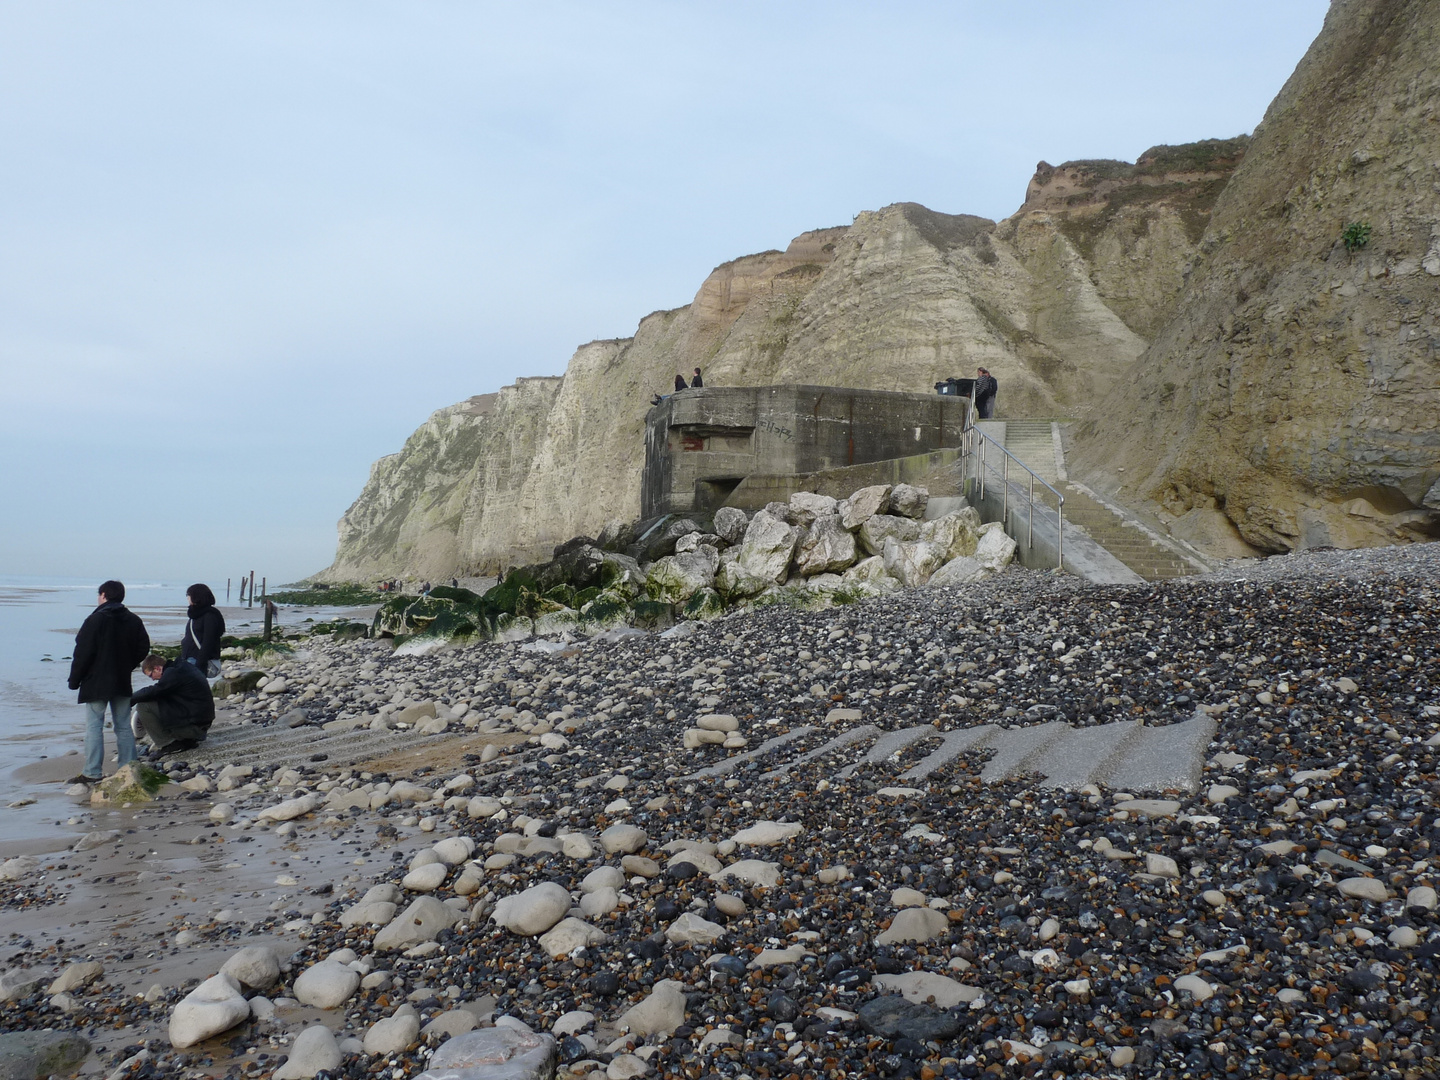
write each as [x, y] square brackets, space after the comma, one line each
[95, 734]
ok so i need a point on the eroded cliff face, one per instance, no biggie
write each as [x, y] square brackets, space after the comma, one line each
[1057, 301]
[1292, 398]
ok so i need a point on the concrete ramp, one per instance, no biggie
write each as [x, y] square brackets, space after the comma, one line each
[1126, 755]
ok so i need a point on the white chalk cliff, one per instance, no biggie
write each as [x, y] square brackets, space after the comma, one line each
[1057, 301]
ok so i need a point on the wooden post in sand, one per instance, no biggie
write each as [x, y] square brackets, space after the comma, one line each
[252, 588]
[227, 590]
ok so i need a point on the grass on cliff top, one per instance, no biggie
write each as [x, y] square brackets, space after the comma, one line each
[331, 596]
[1207, 155]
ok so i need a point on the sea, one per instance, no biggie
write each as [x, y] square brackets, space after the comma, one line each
[39, 716]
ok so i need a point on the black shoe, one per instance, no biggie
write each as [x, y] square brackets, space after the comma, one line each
[170, 748]
[187, 744]
[86, 780]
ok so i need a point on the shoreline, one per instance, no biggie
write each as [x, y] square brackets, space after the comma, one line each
[604, 747]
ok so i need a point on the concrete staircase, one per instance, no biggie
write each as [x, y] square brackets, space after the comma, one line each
[1035, 443]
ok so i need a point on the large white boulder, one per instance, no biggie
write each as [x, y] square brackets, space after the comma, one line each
[768, 547]
[908, 501]
[806, 506]
[826, 547]
[912, 563]
[959, 571]
[881, 527]
[733, 581]
[957, 532]
[864, 504]
[622, 574]
[730, 524]
[676, 578]
[214, 1006]
[995, 549]
[871, 573]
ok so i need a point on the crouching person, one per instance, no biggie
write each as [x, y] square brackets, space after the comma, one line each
[176, 712]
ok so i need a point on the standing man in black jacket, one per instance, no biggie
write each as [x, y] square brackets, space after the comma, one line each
[111, 641]
[178, 710]
[985, 390]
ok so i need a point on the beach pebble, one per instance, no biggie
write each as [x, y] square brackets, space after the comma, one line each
[623, 839]
[326, 985]
[450, 1023]
[394, 1033]
[927, 987]
[1364, 888]
[222, 813]
[660, 1013]
[598, 903]
[568, 935]
[691, 929]
[767, 833]
[626, 1067]
[730, 905]
[313, 1051]
[533, 911]
[572, 1023]
[214, 1006]
[422, 921]
[76, 976]
[504, 1052]
[914, 925]
[1196, 986]
[1422, 897]
[255, 966]
[426, 878]
[602, 877]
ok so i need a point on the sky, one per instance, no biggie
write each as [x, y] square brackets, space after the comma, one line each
[246, 249]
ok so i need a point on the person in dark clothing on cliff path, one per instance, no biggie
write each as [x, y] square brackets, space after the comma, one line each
[205, 627]
[985, 390]
[177, 711]
[680, 383]
[697, 381]
[111, 641]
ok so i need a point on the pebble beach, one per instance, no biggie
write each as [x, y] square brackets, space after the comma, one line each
[884, 839]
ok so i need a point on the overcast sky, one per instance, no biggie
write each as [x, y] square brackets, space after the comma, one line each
[246, 248]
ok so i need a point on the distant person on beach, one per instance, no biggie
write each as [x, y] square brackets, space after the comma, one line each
[697, 382]
[177, 711]
[204, 628]
[111, 641]
[985, 389]
[680, 383]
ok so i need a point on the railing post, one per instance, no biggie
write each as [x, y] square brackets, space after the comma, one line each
[1060, 510]
[1005, 491]
[1030, 530]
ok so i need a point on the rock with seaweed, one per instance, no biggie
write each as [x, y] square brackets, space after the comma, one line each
[132, 783]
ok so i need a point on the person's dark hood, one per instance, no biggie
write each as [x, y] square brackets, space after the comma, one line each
[194, 611]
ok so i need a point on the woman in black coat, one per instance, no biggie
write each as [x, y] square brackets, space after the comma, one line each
[203, 630]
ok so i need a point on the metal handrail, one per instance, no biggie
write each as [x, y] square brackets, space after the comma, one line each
[967, 453]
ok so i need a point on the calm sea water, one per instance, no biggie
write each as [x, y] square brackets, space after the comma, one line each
[39, 716]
